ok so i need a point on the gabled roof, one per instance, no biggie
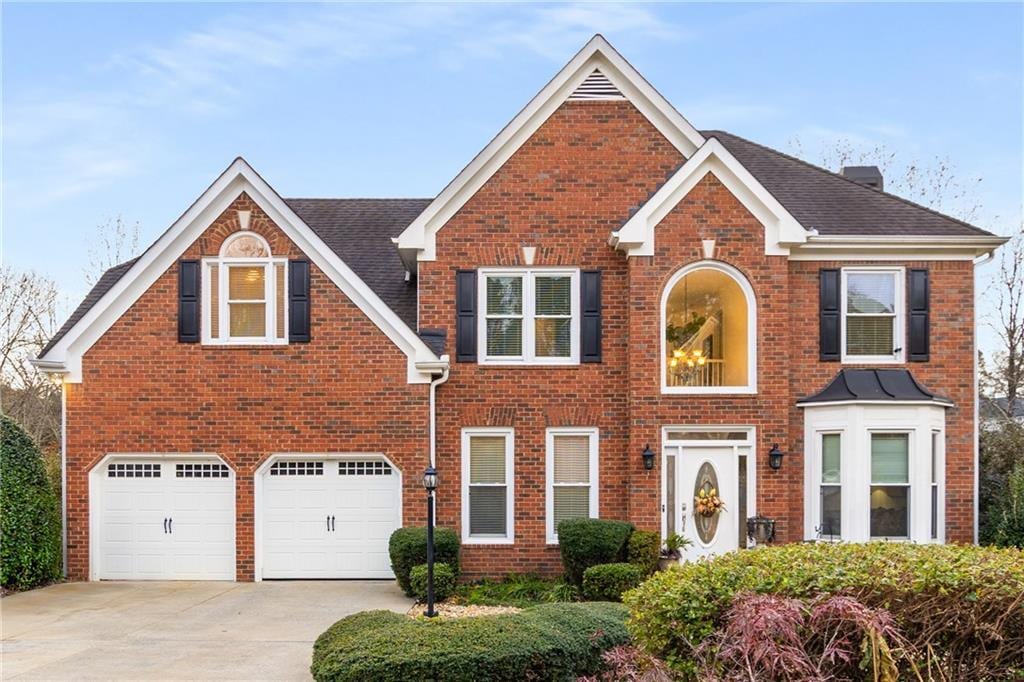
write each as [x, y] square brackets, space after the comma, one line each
[834, 205]
[874, 385]
[417, 241]
[122, 285]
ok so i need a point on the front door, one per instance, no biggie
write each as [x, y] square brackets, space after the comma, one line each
[704, 501]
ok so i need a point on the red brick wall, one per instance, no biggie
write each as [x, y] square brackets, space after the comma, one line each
[563, 191]
[142, 391]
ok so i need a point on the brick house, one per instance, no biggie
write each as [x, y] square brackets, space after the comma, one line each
[605, 313]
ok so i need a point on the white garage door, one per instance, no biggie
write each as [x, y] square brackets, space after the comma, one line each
[329, 518]
[166, 520]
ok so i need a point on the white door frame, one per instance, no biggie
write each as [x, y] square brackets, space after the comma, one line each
[95, 505]
[257, 496]
[750, 441]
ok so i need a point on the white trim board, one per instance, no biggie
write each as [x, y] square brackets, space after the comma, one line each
[418, 241]
[239, 177]
[781, 230]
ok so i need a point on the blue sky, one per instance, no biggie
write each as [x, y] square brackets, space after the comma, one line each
[134, 109]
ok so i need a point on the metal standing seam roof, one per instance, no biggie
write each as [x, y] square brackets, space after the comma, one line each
[360, 231]
[874, 385]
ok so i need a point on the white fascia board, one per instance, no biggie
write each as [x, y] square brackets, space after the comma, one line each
[781, 230]
[420, 236]
[894, 248]
[158, 258]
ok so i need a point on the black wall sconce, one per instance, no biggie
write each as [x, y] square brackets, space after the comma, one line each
[648, 456]
[775, 457]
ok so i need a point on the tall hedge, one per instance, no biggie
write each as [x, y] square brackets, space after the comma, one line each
[547, 642]
[589, 542]
[30, 551]
[408, 548]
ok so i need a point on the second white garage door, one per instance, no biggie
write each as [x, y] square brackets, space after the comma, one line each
[329, 518]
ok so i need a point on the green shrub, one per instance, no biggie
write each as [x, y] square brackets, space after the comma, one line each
[444, 581]
[547, 642]
[972, 591]
[589, 542]
[645, 550]
[408, 548]
[1005, 519]
[520, 590]
[30, 548]
[607, 582]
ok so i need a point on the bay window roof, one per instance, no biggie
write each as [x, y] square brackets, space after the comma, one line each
[874, 385]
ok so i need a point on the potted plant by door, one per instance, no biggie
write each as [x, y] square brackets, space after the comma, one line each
[673, 549]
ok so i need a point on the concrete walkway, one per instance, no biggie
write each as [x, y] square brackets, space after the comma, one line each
[177, 630]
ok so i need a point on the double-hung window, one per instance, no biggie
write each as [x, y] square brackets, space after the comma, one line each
[830, 486]
[246, 290]
[873, 314]
[890, 485]
[488, 488]
[572, 476]
[530, 316]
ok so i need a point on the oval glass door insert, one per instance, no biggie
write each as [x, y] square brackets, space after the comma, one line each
[706, 483]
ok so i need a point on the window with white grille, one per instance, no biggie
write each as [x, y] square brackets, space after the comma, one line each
[530, 316]
[368, 467]
[572, 462]
[873, 310]
[246, 293]
[487, 486]
[200, 470]
[297, 468]
[133, 470]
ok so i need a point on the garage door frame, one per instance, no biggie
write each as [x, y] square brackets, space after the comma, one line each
[259, 477]
[95, 497]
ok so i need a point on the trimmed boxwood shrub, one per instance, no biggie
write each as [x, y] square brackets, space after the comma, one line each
[30, 552]
[444, 581]
[607, 582]
[957, 607]
[547, 642]
[408, 548]
[645, 549]
[589, 542]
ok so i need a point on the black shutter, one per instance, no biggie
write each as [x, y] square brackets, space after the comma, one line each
[590, 321]
[917, 323]
[188, 301]
[298, 301]
[465, 316]
[829, 312]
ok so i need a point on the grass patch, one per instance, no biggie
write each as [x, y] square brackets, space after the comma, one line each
[516, 590]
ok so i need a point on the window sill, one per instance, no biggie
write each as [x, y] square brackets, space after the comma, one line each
[709, 390]
[530, 363]
[488, 541]
[260, 342]
[871, 360]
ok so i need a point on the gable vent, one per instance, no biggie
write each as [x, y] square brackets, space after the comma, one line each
[596, 86]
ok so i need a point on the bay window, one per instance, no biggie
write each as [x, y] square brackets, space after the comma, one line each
[831, 489]
[529, 316]
[890, 485]
[572, 475]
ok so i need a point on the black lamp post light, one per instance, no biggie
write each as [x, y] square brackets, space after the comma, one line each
[648, 456]
[430, 485]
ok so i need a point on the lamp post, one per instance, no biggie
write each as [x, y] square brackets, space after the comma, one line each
[430, 484]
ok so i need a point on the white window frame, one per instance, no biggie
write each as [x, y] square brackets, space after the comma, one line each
[752, 331]
[937, 480]
[529, 316]
[817, 469]
[223, 263]
[899, 315]
[509, 537]
[912, 489]
[549, 484]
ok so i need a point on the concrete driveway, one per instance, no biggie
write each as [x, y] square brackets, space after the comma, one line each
[177, 630]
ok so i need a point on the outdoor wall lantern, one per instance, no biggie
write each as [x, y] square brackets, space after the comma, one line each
[775, 457]
[430, 485]
[648, 456]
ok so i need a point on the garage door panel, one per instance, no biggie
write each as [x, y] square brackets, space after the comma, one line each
[361, 497]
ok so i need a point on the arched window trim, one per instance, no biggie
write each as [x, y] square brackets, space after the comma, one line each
[752, 331]
[276, 304]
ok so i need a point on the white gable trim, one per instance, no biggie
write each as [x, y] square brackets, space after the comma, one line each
[781, 230]
[66, 356]
[419, 238]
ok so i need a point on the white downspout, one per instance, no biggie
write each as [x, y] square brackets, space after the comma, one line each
[433, 413]
[64, 478]
[977, 391]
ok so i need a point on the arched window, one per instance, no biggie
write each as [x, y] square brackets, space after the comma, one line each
[708, 331]
[246, 293]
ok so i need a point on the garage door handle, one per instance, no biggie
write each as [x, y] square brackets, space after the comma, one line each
[170, 525]
[165, 524]
[333, 528]
[328, 523]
